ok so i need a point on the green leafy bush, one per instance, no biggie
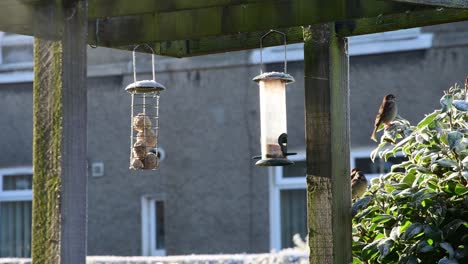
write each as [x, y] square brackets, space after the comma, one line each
[419, 215]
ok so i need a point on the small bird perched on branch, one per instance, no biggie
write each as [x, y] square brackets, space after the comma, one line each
[358, 183]
[388, 111]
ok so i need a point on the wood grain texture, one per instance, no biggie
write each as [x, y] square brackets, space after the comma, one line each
[113, 8]
[241, 41]
[232, 19]
[59, 140]
[327, 145]
[74, 137]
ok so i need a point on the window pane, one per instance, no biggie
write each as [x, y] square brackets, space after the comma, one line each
[379, 166]
[293, 215]
[17, 182]
[298, 169]
[15, 229]
[159, 225]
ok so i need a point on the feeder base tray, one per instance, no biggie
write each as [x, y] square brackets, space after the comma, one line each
[274, 162]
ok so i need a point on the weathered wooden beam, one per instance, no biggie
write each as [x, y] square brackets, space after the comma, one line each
[440, 3]
[419, 18]
[114, 8]
[59, 139]
[371, 18]
[228, 20]
[250, 40]
[327, 145]
[241, 41]
[16, 16]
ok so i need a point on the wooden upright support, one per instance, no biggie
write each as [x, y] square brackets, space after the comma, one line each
[59, 144]
[327, 139]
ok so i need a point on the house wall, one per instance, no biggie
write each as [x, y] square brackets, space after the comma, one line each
[216, 200]
[16, 125]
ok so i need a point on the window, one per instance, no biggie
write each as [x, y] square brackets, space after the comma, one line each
[288, 203]
[361, 159]
[152, 222]
[15, 212]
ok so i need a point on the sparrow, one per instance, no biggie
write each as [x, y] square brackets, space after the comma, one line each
[358, 183]
[387, 113]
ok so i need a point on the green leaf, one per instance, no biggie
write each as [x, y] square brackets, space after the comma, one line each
[405, 225]
[425, 247]
[454, 138]
[382, 218]
[460, 105]
[395, 233]
[375, 181]
[408, 260]
[370, 251]
[409, 179]
[460, 189]
[432, 234]
[427, 120]
[454, 188]
[446, 102]
[360, 204]
[448, 248]
[444, 260]
[452, 175]
[412, 230]
[376, 151]
[465, 174]
[357, 261]
[452, 226]
[447, 163]
[384, 247]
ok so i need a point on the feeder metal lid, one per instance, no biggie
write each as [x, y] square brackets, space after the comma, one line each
[145, 86]
[287, 78]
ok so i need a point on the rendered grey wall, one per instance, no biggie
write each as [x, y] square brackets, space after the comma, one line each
[216, 199]
[16, 125]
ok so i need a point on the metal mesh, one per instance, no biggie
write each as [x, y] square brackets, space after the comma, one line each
[144, 131]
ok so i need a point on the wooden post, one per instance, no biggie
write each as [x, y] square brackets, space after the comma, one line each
[327, 140]
[59, 144]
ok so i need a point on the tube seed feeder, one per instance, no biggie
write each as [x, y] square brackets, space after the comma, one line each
[273, 112]
[144, 128]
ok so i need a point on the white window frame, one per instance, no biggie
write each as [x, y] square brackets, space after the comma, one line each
[365, 153]
[277, 183]
[1, 46]
[15, 195]
[148, 224]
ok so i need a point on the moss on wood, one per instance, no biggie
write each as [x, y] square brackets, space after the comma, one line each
[47, 138]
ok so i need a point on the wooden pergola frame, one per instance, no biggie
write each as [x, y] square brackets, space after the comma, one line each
[182, 28]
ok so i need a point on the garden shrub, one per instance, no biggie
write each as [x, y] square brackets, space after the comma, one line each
[418, 212]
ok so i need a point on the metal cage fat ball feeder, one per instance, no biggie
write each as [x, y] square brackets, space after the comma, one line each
[274, 137]
[144, 129]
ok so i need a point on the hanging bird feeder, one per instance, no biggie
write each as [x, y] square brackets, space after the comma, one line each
[274, 137]
[144, 128]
